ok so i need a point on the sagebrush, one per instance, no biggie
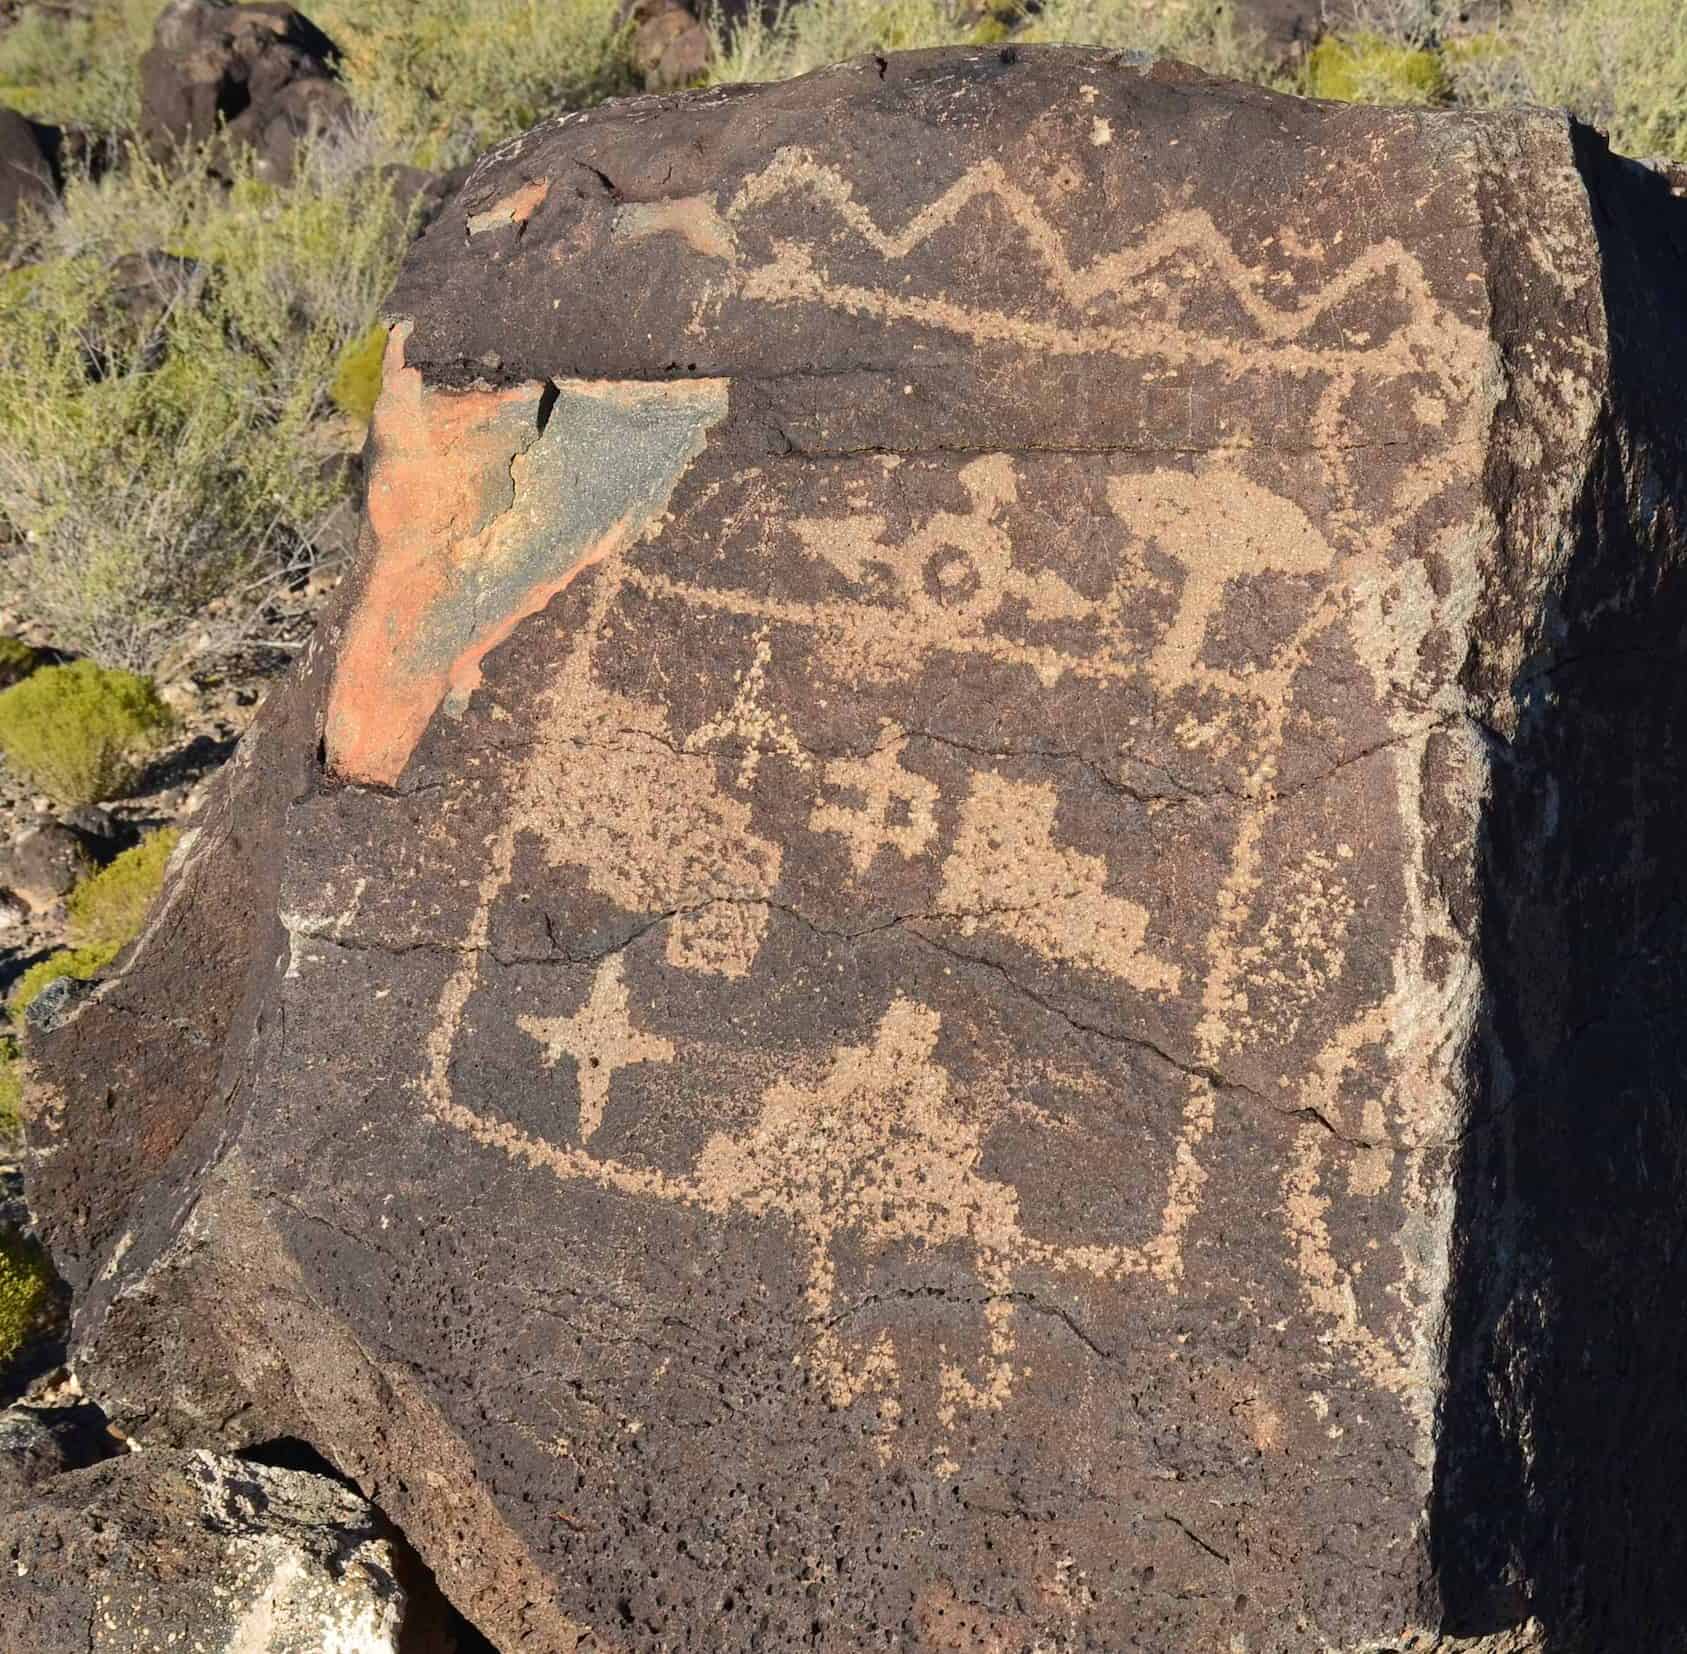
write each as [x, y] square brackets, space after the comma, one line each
[111, 906]
[26, 1285]
[80, 732]
[11, 1093]
[166, 364]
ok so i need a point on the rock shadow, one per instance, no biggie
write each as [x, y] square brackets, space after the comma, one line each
[1563, 1436]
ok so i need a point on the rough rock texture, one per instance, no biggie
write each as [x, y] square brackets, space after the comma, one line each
[671, 46]
[28, 166]
[39, 1443]
[158, 1552]
[973, 939]
[261, 75]
[44, 864]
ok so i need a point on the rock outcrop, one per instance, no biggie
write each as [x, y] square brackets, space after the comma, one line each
[973, 938]
[29, 174]
[40, 1443]
[260, 75]
[155, 1552]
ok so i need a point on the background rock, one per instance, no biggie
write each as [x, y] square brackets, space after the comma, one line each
[39, 1443]
[160, 1551]
[671, 46]
[262, 74]
[972, 939]
[44, 863]
[28, 166]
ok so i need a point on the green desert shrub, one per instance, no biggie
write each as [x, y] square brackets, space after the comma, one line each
[80, 964]
[81, 732]
[1371, 68]
[357, 377]
[11, 1092]
[1206, 33]
[26, 1285]
[1620, 65]
[161, 453]
[807, 34]
[112, 904]
[444, 79]
[57, 65]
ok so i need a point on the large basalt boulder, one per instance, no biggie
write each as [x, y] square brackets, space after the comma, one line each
[161, 1551]
[973, 938]
[261, 75]
[29, 171]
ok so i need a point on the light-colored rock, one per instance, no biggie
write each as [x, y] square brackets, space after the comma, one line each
[155, 1553]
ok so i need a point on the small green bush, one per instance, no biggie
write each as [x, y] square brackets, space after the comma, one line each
[1620, 65]
[357, 379]
[57, 66]
[443, 80]
[1369, 68]
[161, 463]
[80, 732]
[81, 963]
[26, 1284]
[111, 906]
[11, 1092]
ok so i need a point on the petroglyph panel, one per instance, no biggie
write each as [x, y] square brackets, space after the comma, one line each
[1102, 742]
[885, 968]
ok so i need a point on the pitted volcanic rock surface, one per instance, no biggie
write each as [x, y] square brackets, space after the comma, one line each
[970, 940]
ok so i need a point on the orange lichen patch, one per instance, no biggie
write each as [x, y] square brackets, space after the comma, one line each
[515, 208]
[477, 519]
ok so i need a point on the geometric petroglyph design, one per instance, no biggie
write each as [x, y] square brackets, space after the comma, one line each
[1006, 868]
[1141, 286]
[897, 810]
[956, 570]
[882, 1149]
[751, 720]
[879, 1147]
[951, 587]
[671, 838]
[601, 1039]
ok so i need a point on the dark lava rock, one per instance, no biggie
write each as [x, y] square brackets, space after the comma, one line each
[43, 864]
[974, 938]
[28, 166]
[38, 1443]
[159, 1551]
[261, 75]
[670, 46]
[422, 195]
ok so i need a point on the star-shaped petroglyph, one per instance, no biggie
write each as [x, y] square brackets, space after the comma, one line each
[897, 808]
[601, 1039]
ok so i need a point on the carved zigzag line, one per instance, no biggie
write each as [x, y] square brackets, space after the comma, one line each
[1189, 231]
